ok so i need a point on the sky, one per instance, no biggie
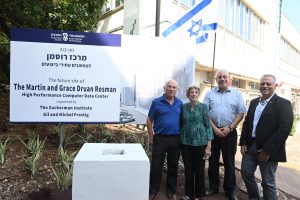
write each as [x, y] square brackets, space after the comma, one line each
[291, 9]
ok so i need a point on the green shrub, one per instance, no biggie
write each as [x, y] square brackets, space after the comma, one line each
[63, 177]
[32, 161]
[60, 131]
[34, 150]
[107, 136]
[87, 137]
[3, 147]
[293, 131]
[63, 172]
[65, 137]
[34, 144]
[65, 159]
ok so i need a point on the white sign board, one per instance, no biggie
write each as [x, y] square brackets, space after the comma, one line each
[79, 77]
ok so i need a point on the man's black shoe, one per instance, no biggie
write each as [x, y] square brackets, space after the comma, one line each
[212, 192]
[172, 196]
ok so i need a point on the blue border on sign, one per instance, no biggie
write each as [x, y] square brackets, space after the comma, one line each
[65, 37]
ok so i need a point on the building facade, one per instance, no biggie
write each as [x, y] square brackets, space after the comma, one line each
[253, 38]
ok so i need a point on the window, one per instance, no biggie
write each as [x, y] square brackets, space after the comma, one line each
[112, 4]
[289, 54]
[221, 9]
[242, 16]
[107, 6]
[231, 15]
[250, 28]
[119, 3]
[253, 85]
[236, 17]
[236, 83]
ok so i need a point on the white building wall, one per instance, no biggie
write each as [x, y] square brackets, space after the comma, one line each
[112, 21]
[237, 56]
[132, 22]
[289, 32]
[290, 73]
[232, 52]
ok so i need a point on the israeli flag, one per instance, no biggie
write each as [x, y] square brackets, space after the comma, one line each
[196, 23]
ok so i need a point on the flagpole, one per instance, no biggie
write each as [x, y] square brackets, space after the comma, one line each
[213, 64]
[280, 13]
[157, 18]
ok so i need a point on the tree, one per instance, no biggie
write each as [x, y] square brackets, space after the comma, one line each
[74, 15]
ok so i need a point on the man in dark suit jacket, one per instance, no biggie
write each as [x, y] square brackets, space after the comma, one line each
[265, 129]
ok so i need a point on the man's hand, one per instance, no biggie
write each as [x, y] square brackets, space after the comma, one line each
[150, 137]
[150, 130]
[219, 133]
[225, 131]
[243, 150]
[263, 156]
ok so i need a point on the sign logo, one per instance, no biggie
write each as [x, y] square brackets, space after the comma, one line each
[65, 36]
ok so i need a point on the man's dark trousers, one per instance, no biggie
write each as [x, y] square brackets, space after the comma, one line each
[228, 146]
[164, 145]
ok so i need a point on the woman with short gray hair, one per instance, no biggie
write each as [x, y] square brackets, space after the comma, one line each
[195, 138]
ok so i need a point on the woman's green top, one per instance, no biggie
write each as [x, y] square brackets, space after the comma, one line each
[195, 125]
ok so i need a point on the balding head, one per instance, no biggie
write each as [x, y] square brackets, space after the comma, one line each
[171, 88]
[222, 78]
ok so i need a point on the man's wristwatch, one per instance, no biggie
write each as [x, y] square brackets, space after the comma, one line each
[231, 129]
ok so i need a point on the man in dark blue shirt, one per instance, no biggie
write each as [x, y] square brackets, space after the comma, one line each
[163, 124]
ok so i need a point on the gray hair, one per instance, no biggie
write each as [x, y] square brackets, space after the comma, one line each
[269, 75]
[192, 87]
[172, 80]
[221, 70]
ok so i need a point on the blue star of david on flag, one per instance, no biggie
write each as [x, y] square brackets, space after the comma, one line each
[197, 27]
[192, 23]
